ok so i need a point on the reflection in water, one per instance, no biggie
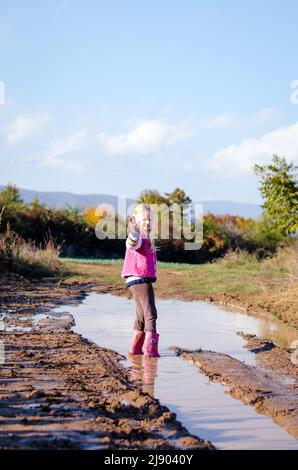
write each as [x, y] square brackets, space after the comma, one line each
[203, 408]
[143, 371]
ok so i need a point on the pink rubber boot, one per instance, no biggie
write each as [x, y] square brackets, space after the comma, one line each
[137, 342]
[151, 344]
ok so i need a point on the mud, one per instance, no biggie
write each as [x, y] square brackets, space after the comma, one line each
[61, 391]
[279, 361]
[263, 388]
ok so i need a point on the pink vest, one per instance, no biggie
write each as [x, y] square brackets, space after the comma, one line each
[140, 262]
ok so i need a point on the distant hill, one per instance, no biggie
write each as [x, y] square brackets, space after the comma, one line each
[233, 208]
[59, 199]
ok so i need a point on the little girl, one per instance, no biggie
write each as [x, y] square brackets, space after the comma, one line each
[139, 270]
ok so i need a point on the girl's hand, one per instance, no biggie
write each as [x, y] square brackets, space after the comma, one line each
[133, 223]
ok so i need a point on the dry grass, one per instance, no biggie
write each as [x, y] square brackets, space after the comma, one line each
[26, 258]
[38, 262]
[279, 283]
[235, 259]
[285, 260]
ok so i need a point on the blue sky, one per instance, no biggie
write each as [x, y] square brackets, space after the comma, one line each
[118, 96]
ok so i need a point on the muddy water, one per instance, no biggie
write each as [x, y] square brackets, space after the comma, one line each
[203, 408]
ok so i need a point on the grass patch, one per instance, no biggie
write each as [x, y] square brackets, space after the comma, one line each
[92, 260]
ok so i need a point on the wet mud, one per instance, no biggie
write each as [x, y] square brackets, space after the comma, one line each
[61, 391]
[271, 387]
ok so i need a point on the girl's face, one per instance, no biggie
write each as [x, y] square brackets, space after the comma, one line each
[145, 220]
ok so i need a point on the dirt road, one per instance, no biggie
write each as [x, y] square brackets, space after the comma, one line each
[60, 391]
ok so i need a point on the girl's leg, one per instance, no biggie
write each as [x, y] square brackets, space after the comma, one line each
[145, 294]
[139, 323]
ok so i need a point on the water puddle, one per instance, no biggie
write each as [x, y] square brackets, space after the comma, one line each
[35, 321]
[203, 408]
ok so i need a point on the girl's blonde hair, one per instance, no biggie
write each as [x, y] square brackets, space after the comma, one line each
[140, 209]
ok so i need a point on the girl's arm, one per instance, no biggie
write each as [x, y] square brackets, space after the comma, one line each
[134, 240]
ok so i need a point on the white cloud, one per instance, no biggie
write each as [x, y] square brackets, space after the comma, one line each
[60, 153]
[25, 126]
[225, 120]
[241, 158]
[146, 137]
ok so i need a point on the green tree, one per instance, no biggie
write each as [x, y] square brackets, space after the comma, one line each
[151, 196]
[279, 188]
[10, 196]
[36, 204]
[178, 196]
